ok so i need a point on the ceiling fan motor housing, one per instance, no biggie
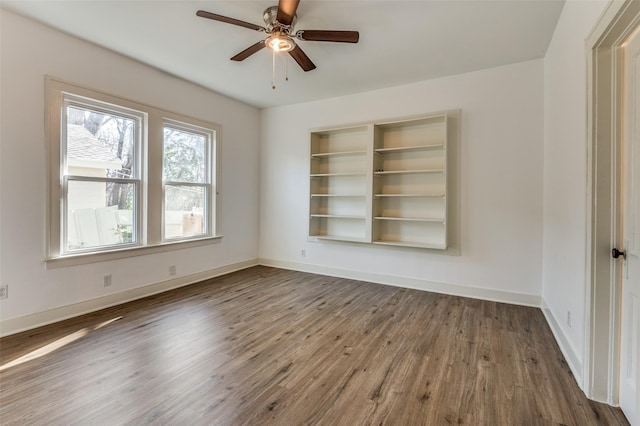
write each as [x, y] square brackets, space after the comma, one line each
[270, 19]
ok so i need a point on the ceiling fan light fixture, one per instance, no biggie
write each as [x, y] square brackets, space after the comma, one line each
[280, 43]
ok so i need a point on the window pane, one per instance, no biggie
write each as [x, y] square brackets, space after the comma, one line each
[99, 144]
[184, 211]
[184, 156]
[99, 214]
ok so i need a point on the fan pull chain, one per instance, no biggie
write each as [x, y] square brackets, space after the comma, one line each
[286, 70]
[273, 71]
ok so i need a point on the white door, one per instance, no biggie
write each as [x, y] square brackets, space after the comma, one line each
[630, 333]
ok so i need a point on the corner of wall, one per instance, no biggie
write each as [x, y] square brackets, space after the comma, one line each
[574, 361]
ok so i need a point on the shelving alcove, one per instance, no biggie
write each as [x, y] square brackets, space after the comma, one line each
[392, 183]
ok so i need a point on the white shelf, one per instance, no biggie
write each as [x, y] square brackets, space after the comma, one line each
[339, 238]
[411, 219]
[410, 244]
[401, 172]
[339, 195]
[409, 148]
[336, 174]
[408, 195]
[338, 216]
[335, 154]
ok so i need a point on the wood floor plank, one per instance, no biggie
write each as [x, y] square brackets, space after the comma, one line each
[265, 346]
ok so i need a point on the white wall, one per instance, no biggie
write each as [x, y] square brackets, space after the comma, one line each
[29, 52]
[501, 167]
[565, 174]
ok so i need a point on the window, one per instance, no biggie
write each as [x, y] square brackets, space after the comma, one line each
[126, 176]
[186, 180]
[100, 196]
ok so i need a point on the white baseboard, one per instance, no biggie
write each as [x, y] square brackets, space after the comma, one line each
[569, 352]
[414, 283]
[16, 325]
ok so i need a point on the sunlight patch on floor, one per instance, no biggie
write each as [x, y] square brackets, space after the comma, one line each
[57, 344]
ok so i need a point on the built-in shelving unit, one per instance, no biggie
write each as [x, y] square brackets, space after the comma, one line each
[410, 166]
[340, 187]
[383, 183]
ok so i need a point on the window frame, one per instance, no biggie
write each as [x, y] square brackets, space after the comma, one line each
[150, 192]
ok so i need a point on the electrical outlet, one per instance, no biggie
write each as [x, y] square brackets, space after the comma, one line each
[303, 253]
[107, 280]
[569, 318]
[172, 270]
[4, 292]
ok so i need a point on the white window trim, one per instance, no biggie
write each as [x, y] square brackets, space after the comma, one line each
[150, 228]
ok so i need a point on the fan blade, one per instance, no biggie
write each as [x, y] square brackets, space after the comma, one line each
[226, 19]
[249, 51]
[286, 11]
[328, 35]
[302, 59]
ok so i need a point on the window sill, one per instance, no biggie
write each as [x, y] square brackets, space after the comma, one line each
[85, 258]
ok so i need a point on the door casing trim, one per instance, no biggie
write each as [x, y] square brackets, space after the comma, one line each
[604, 142]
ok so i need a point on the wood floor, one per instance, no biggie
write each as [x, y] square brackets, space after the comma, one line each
[266, 346]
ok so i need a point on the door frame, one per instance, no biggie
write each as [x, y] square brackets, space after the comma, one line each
[604, 225]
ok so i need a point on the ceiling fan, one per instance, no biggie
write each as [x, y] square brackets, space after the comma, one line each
[280, 21]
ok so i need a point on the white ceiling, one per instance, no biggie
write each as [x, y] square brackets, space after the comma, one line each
[400, 41]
